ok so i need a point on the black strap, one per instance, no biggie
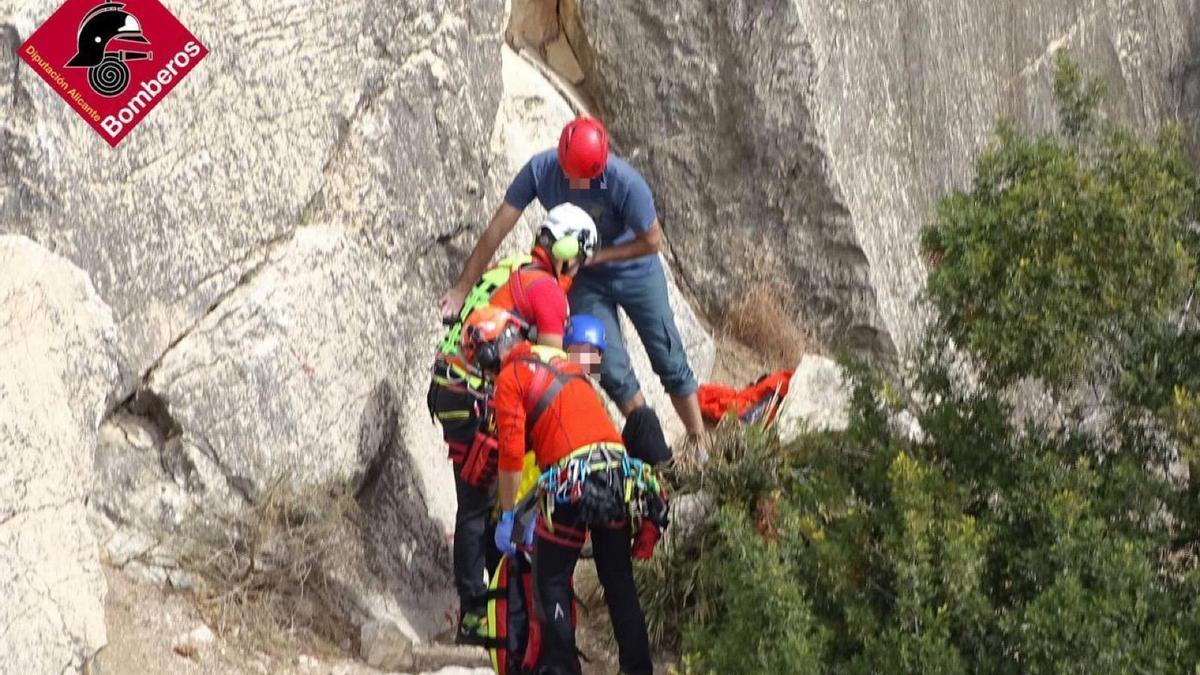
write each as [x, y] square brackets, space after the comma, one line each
[493, 643]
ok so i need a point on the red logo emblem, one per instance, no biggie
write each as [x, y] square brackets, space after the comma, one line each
[112, 62]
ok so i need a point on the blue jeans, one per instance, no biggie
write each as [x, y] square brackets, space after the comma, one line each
[644, 300]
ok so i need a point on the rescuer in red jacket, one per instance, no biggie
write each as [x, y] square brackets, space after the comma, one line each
[546, 404]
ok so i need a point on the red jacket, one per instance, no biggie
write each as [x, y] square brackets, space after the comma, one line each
[541, 299]
[575, 418]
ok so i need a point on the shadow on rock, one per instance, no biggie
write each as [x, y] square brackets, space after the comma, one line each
[405, 547]
[1185, 80]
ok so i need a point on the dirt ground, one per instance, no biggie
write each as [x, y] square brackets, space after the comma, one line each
[145, 623]
[594, 636]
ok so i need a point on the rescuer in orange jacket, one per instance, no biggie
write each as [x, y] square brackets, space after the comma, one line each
[546, 404]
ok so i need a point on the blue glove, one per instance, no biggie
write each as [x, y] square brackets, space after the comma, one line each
[530, 528]
[504, 530]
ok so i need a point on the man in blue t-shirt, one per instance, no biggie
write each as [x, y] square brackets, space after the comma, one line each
[625, 272]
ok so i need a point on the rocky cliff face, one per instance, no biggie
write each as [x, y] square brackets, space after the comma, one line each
[806, 142]
[271, 241]
[268, 136]
[57, 363]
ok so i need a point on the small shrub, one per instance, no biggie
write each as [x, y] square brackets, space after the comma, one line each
[264, 571]
[763, 624]
[743, 470]
[981, 548]
[763, 318]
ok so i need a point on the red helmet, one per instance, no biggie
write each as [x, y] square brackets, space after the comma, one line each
[583, 148]
[486, 332]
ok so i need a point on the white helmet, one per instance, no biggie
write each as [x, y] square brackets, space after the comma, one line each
[568, 232]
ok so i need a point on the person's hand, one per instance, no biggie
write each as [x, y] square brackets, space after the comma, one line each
[598, 258]
[692, 453]
[504, 530]
[701, 444]
[451, 302]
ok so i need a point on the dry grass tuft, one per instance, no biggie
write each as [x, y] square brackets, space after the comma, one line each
[763, 320]
[264, 572]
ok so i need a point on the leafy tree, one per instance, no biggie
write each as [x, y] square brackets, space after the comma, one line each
[1064, 244]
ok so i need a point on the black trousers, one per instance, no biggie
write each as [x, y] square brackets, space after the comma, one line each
[553, 568]
[474, 548]
[474, 545]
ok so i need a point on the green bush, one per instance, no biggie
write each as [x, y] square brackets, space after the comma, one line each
[984, 546]
[1064, 243]
[912, 558]
[766, 627]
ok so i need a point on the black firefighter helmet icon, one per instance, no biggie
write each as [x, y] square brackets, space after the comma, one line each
[107, 73]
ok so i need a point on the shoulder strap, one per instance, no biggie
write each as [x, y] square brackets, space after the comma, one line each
[547, 382]
[520, 294]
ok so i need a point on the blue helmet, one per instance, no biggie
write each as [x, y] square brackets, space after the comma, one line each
[585, 329]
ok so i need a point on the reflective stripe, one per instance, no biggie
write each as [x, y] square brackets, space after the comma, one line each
[493, 618]
[462, 381]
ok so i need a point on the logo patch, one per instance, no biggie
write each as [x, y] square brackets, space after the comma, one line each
[112, 62]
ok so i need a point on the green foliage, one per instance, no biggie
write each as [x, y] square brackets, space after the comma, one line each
[1077, 100]
[981, 548]
[1162, 376]
[765, 625]
[1060, 247]
[675, 589]
[984, 546]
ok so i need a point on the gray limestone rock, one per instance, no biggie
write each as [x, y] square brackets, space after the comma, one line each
[818, 399]
[57, 364]
[804, 142]
[380, 113]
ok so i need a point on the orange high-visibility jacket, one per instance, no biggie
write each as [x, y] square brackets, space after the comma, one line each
[572, 419]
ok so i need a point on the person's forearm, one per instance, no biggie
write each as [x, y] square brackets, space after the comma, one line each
[480, 256]
[634, 249]
[510, 482]
[499, 226]
[646, 243]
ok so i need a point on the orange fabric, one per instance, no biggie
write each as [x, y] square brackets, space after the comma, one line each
[574, 419]
[717, 400]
